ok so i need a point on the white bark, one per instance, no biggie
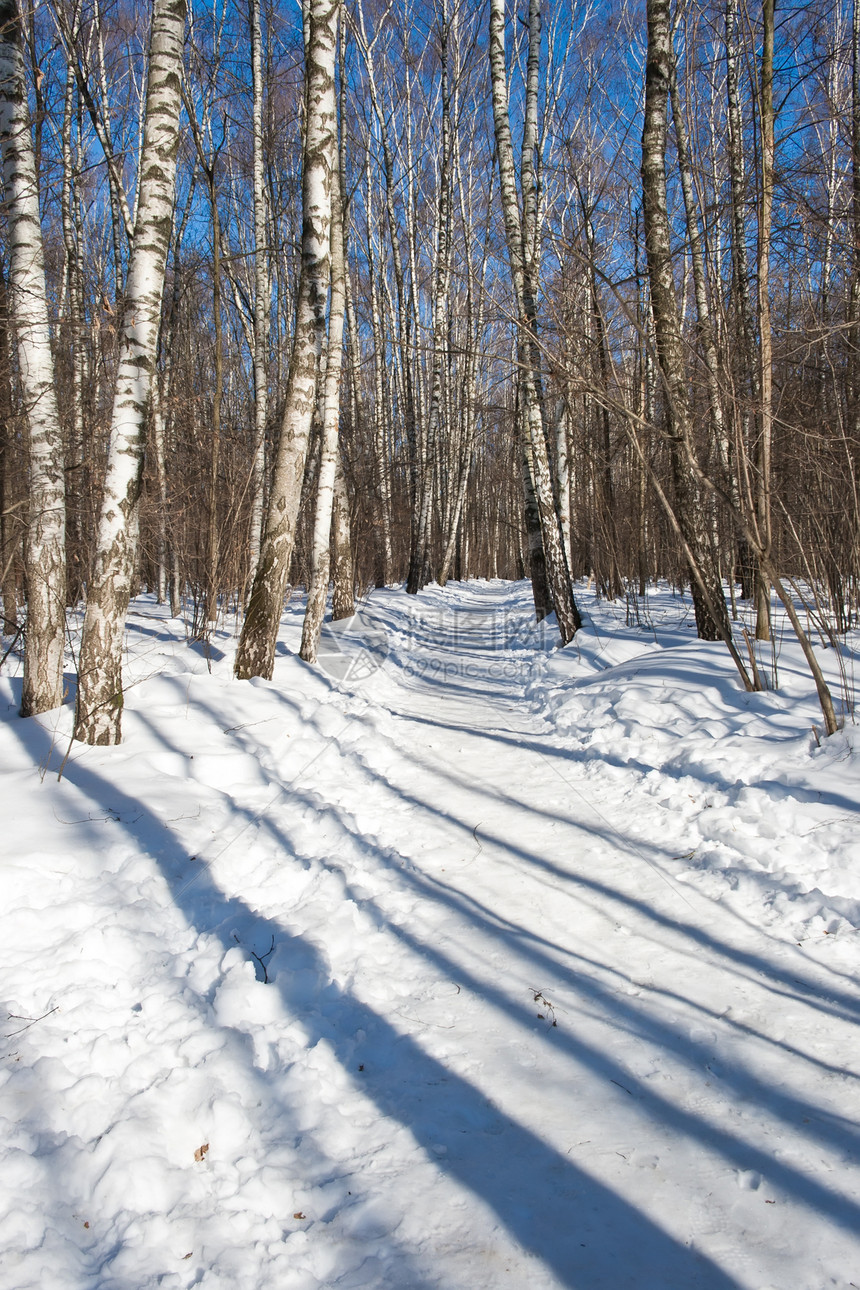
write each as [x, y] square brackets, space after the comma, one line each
[262, 296]
[562, 478]
[380, 436]
[428, 451]
[100, 684]
[763, 455]
[45, 555]
[343, 572]
[159, 444]
[9, 536]
[411, 391]
[685, 513]
[320, 554]
[256, 653]
[461, 468]
[521, 238]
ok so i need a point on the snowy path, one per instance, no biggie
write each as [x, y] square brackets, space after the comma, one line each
[505, 1042]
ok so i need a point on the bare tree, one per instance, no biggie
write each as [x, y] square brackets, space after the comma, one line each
[10, 541]
[256, 653]
[343, 564]
[430, 433]
[262, 291]
[45, 557]
[521, 239]
[711, 615]
[765, 436]
[330, 422]
[100, 695]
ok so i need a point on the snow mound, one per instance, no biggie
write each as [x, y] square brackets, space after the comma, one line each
[463, 961]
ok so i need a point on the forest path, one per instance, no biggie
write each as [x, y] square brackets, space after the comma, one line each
[682, 1065]
[441, 990]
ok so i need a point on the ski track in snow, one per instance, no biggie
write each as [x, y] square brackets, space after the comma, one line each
[497, 966]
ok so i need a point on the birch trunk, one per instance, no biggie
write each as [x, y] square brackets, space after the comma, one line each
[418, 565]
[100, 697]
[529, 183]
[531, 511]
[321, 549]
[343, 568]
[700, 286]
[170, 583]
[262, 296]
[712, 619]
[256, 653]
[520, 236]
[404, 310]
[469, 427]
[213, 536]
[159, 444]
[72, 325]
[613, 585]
[476, 277]
[747, 374]
[763, 453]
[10, 542]
[45, 553]
[380, 438]
[343, 590]
[562, 478]
[737, 180]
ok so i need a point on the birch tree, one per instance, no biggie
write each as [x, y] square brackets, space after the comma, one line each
[262, 290]
[45, 552]
[100, 696]
[747, 373]
[10, 543]
[476, 274]
[711, 615]
[320, 553]
[429, 433]
[765, 437]
[521, 240]
[256, 653]
[343, 565]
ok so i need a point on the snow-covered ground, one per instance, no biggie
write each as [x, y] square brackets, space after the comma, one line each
[461, 962]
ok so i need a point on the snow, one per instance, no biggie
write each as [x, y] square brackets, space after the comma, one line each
[460, 961]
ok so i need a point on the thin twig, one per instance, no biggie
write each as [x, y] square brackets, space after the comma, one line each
[31, 1021]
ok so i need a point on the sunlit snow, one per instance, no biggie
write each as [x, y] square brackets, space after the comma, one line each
[460, 961]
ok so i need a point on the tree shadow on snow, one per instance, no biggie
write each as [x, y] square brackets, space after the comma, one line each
[802, 1116]
[591, 1237]
[685, 936]
[551, 754]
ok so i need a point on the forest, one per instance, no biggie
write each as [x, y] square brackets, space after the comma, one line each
[430, 575]
[365, 293]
